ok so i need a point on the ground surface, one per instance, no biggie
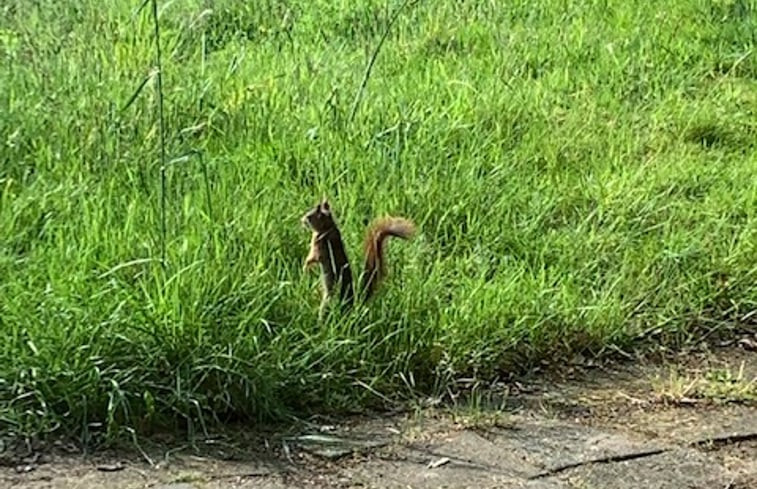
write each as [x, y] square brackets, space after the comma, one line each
[691, 423]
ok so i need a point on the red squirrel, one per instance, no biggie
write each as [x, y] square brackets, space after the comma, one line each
[327, 249]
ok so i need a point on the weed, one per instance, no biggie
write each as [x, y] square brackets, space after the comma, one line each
[721, 385]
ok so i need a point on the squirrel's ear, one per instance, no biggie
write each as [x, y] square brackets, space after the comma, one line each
[325, 207]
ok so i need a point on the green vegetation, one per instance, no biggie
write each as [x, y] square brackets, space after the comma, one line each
[720, 385]
[583, 174]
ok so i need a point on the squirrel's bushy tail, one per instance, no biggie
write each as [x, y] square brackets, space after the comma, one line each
[373, 249]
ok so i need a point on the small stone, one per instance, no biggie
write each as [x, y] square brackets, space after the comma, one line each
[438, 463]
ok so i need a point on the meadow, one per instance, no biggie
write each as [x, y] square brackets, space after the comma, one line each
[583, 175]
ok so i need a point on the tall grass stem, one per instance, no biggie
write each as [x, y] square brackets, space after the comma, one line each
[159, 81]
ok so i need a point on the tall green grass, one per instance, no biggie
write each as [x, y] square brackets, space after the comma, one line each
[583, 174]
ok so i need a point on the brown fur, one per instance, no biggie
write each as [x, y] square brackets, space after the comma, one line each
[374, 269]
[327, 249]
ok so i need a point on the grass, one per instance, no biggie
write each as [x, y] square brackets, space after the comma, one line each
[582, 174]
[720, 385]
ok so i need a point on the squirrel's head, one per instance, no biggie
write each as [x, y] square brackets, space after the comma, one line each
[319, 218]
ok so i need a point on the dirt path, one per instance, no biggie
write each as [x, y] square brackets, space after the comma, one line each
[692, 424]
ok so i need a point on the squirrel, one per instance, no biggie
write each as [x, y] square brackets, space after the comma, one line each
[327, 249]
